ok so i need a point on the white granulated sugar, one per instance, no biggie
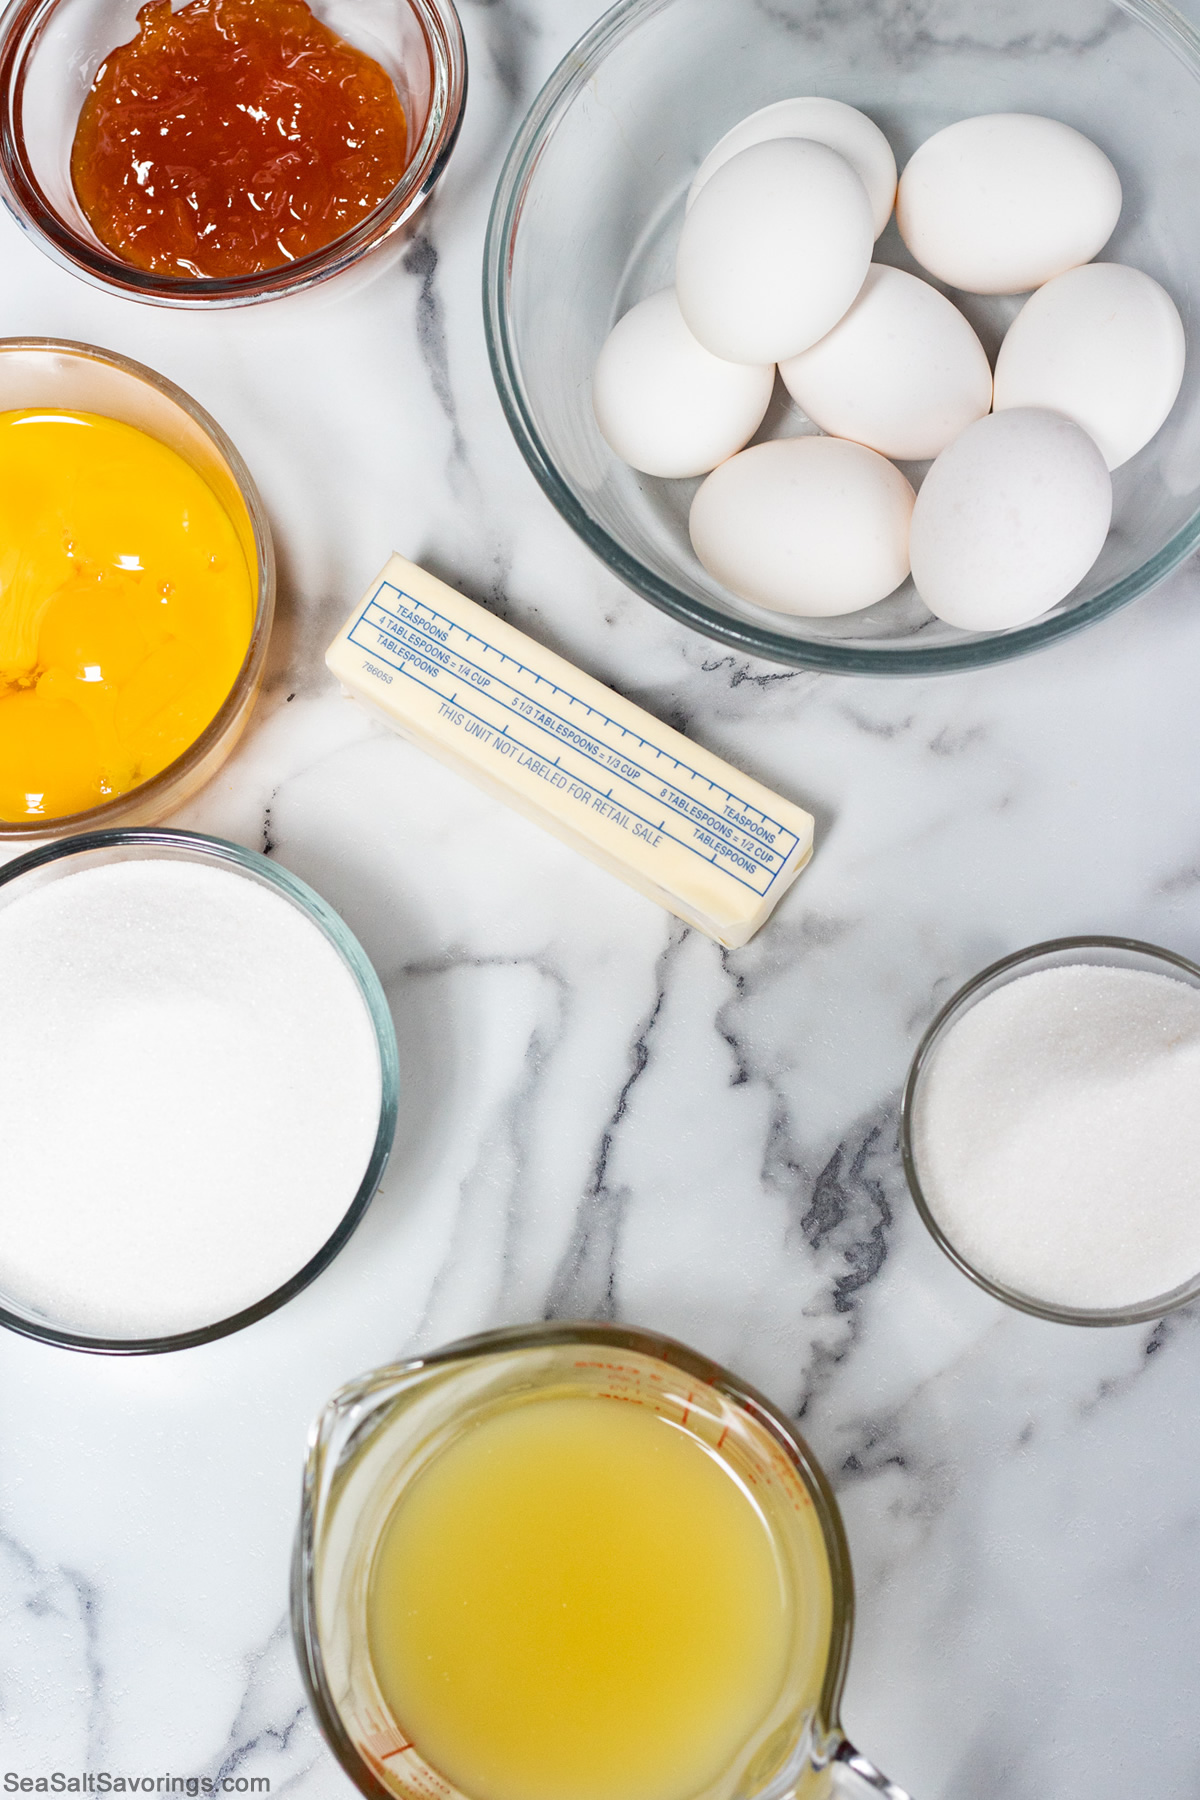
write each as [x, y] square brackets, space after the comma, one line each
[1057, 1135]
[189, 1096]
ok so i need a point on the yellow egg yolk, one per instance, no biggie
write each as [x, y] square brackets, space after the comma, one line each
[126, 609]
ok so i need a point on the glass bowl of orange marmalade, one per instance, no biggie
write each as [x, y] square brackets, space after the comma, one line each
[205, 78]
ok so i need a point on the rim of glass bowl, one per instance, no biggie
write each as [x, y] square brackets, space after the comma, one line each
[574, 73]
[1070, 950]
[198, 847]
[352, 1402]
[138, 799]
[21, 27]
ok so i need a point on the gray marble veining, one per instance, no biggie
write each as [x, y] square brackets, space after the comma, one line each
[605, 1114]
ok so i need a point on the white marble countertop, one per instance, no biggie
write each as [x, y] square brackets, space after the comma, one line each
[604, 1115]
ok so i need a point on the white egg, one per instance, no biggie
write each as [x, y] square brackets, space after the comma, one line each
[667, 406]
[773, 251]
[1002, 203]
[902, 371]
[1009, 519]
[843, 128]
[1103, 344]
[812, 525]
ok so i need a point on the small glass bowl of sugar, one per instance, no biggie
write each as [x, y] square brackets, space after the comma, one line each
[1050, 1130]
[198, 1089]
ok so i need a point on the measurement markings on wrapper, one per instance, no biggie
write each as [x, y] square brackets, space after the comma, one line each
[606, 768]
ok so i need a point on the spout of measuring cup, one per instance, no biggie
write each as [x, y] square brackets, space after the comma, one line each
[856, 1778]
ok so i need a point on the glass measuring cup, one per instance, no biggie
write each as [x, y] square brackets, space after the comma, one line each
[379, 1433]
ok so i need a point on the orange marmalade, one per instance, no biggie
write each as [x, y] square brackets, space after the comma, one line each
[126, 610]
[234, 136]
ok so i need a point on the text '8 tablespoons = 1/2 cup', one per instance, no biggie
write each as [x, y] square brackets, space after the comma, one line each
[380, 1434]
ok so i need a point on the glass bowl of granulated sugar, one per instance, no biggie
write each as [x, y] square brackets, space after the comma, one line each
[198, 1085]
[1050, 1130]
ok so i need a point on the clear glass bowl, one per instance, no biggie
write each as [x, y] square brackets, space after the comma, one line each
[78, 377]
[54, 861]
[1058, 953]
[49, 53]
[378, 1433]
[587, 213]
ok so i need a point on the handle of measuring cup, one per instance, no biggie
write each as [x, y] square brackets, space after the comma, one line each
[855, 1777]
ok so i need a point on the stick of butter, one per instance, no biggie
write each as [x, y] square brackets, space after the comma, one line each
[713, 846]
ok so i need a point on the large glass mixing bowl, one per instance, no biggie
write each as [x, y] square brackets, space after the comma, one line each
[587, 215]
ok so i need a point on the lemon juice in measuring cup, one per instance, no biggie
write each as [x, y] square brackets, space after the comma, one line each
[571, 1563]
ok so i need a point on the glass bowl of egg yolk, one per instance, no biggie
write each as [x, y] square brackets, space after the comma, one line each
[137, 588]
[140, 143]
[587, 217]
